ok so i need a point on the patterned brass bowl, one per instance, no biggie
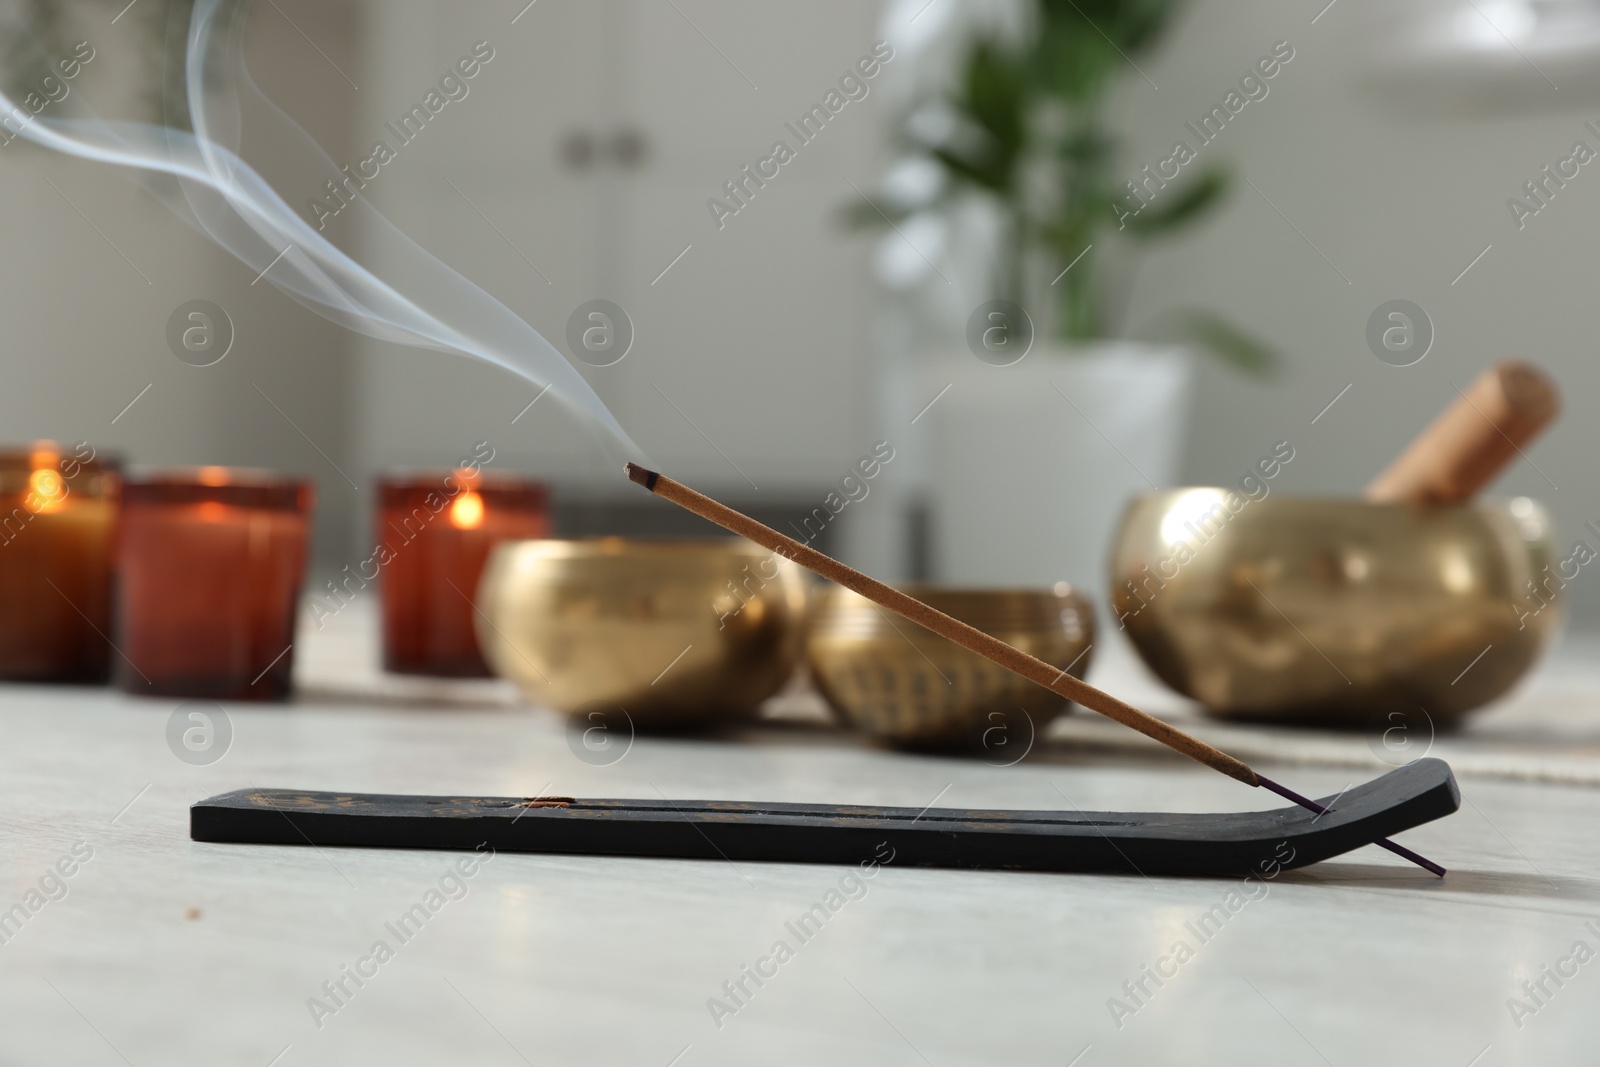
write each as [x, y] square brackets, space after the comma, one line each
[1326, 610]
[902, 684]
[671, 633]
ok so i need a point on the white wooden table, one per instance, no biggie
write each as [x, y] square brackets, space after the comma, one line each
[159, 951]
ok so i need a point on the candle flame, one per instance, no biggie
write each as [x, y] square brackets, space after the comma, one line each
[467, 511]
[48, 491]
[213, 476]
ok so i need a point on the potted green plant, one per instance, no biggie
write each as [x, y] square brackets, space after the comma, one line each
[1034, 458]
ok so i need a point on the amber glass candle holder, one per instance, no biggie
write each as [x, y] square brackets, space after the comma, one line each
[209, 564]
[438, 529]
[57, 519]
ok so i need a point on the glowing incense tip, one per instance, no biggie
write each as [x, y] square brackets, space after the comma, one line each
[641, 476]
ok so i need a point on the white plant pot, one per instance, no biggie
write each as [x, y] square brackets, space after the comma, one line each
[1028, 467]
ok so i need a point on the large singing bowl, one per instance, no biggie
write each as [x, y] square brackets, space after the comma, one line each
[1329, 610]
[669, 633]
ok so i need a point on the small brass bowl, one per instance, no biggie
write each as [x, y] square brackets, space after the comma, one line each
[902, 684]
[1333, 611]
[672, 633]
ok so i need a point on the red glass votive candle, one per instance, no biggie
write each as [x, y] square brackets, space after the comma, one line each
[436, 530]
[57, 519]
[209, 563]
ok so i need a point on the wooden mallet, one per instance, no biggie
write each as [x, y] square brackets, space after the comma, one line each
[1473, 439]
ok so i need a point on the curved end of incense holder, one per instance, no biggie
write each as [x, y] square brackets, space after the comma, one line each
[1242, 843]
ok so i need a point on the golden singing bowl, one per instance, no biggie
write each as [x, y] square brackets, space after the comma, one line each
[670, 632]
[1334, 610]
[900, 683]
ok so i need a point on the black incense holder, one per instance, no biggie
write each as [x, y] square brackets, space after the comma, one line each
[1112, 842]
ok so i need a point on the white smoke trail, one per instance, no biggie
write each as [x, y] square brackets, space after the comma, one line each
[419, 301]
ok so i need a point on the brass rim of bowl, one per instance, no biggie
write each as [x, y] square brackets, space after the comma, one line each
[600, 547]
[930, 593]
[1353, 502]
[998, 612]
[1058, 591]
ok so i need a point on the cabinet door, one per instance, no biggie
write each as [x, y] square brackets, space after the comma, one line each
[759, 333]
[579, 167]
[484, 187]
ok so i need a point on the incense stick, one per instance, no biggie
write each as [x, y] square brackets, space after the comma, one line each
[968, 637]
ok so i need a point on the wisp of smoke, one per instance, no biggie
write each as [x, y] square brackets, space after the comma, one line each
[414, 298]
